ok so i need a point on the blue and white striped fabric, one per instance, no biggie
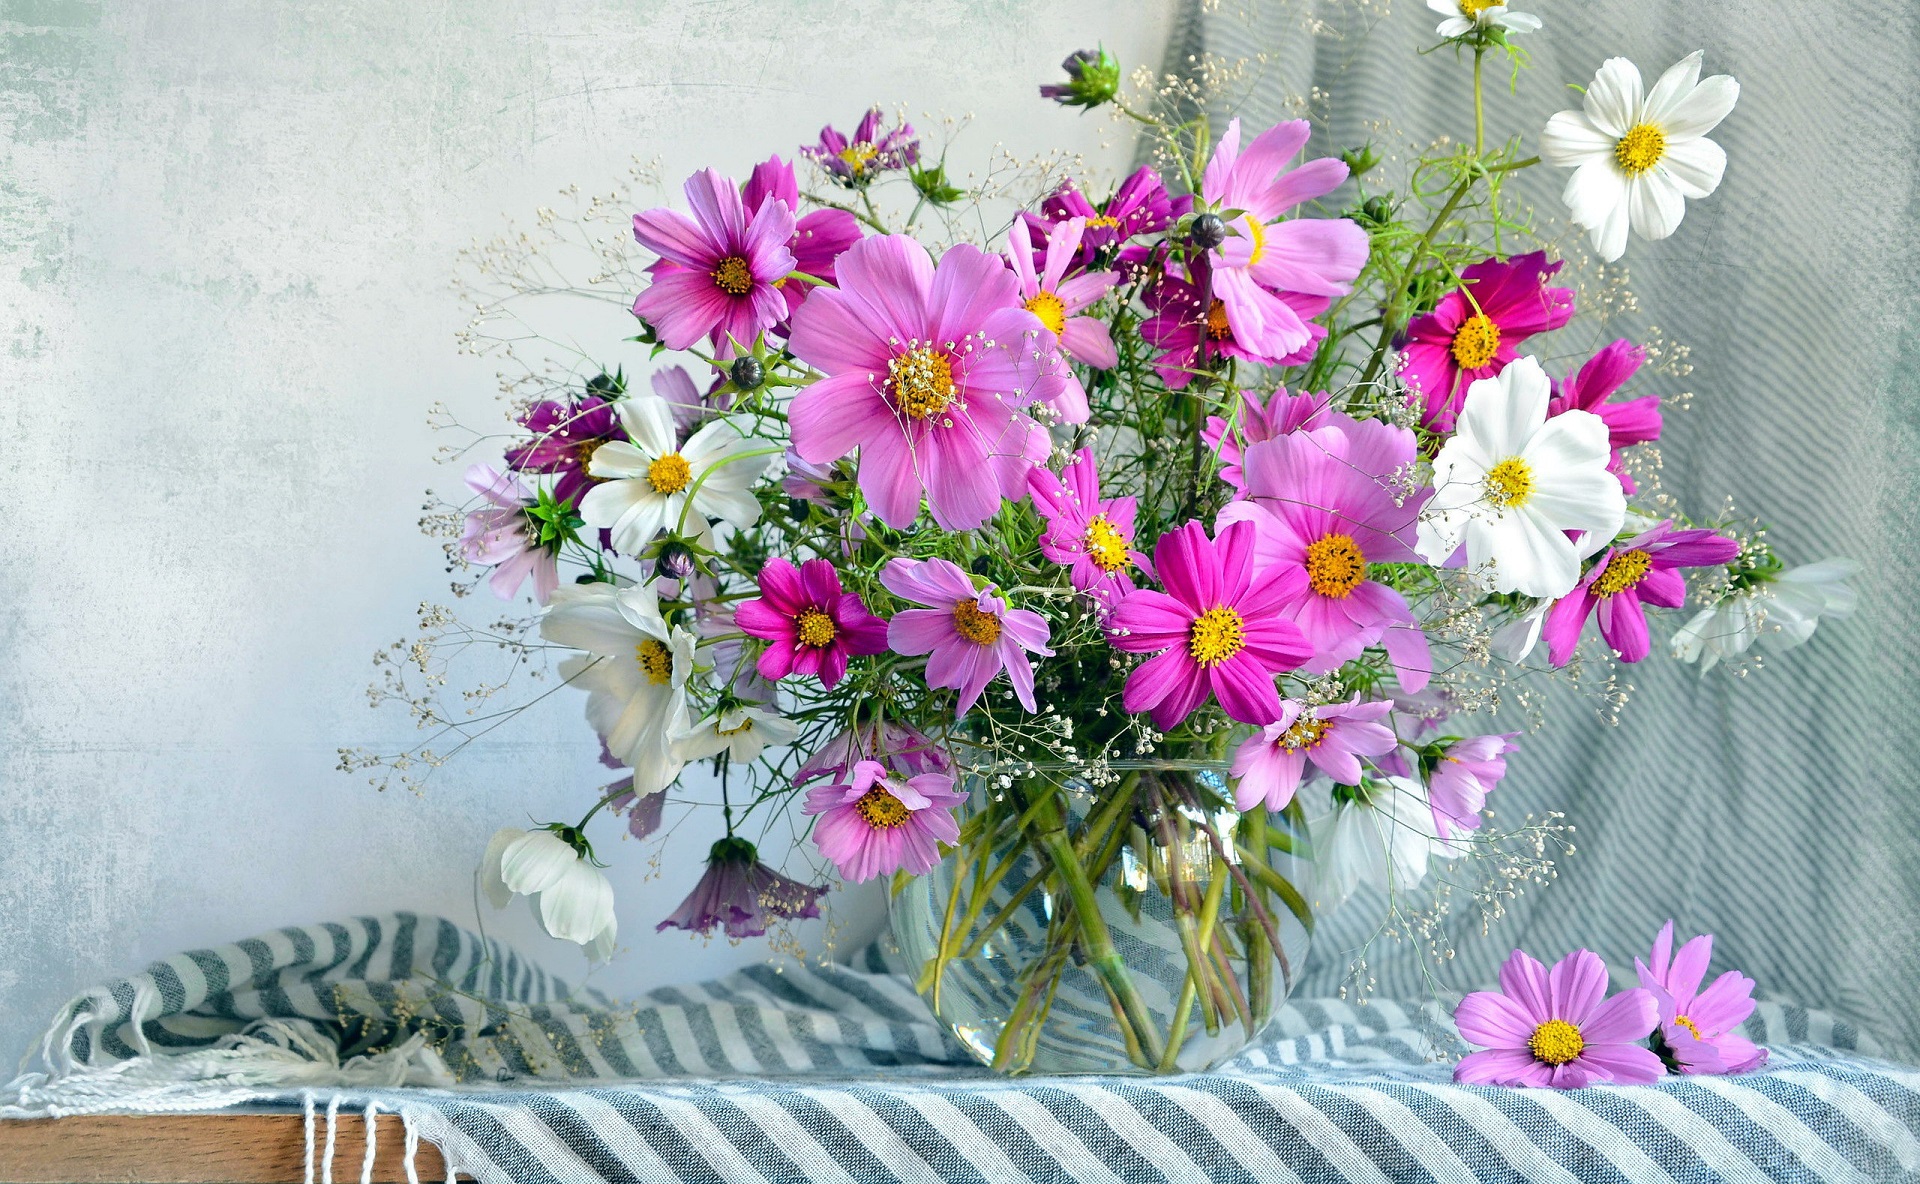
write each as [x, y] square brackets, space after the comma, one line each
[839, 1074]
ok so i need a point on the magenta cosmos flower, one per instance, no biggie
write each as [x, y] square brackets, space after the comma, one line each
[1217, 629]
[742, 896]
[925, 371]
[810, 625]
[1090, 536]
[1641, 571]
[968, 634]
[819, 236]
[1461, 779]
[1698, 1027]
[881, 823]
[501, 536]
[1629, 422]
[1057, 300]
[902, 748]
[1190, 328]
[1474, 331]
[1332, 737]
[1328, 504]
[1557, 1027]
[854, 160]
[1262, 257]
[1280, 414]
[565, 434]
[724, 282]
[1139, 206]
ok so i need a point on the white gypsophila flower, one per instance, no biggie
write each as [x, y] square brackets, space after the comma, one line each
[1510, 483]
[634, 671]
[1637, 157]
[1464, 16]
[649, 482]
[741, 732]
[1780, 614]
[571, 897]
[1388, 840]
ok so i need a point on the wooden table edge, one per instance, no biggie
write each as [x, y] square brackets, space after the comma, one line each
[218, 1148]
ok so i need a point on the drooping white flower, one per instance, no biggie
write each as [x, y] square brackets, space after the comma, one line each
[1388, 839]
[1637, 157]
[1510, 483]
[1780, 614]
[634, 671]
[649, 478]
[742, 732]
[572, 898]
[1515, 639]
[1464, 16]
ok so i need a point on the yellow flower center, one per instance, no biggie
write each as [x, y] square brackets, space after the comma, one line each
[921, 381]
[732, 276]
[1258, 234]
[1305, 733]
[1473, 8]
[745, 725]
[1640, 149]
[1217, 326]
[858, 156]
[978, 627]
[657, 660]
[1103, 222]
[1106, 546]
[1624, 570]
[1476, 341]
[1510, 483]
[815, 628]
[881, 810]
[1335, 566]
[670, 474]
[1216, 635]
[1051, 310]
[1556, 1042]
[1688, 1024]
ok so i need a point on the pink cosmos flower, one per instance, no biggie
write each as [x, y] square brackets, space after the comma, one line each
[1310, 256]
[1139, 206]
[1642, 569]
[501, 536]
[1333, 736]
[740, 895]
[1328, 504]
[812, 627]
[1633, 421]
[926, 369]
[723, 284]
[969, 635]
[1474, 331]
[1466, 772]
[1217, 629]
[565, 435]
[1190, 328]
[872, 149]
[903, 749]
[1057, 300]
[1280, 414]
[1093, 537]
[1698, 1027]
[819, 236]
[881, 823]
[1557, 1027]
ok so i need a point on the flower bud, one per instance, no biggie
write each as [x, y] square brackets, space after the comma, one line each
[1378, 210]
[1360, 160]
[607, 386]
[1093, 78]
[747, 372]
[1208, 232]
[676, 562]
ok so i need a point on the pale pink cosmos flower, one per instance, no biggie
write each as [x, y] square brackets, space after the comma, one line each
[1700, 1028]
[969, 634]
[1557, 1027]
[1332, 737]
[1049, 294]
[501, 536]
[881, 823]
[1092, 536]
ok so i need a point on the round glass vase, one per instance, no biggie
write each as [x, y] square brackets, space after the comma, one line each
[1140, 925]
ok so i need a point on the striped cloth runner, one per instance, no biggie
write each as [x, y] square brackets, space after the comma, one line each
[840, 1074]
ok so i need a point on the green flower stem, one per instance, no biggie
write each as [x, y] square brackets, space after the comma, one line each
[1177, 1032]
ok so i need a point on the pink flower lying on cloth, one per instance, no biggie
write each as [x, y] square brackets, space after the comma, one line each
[1091, 537]
[1333, 736]
[1472, 333]
[969, 634]
[813, 626]
[1630, 422]
[1557, 1027]
[723, 284]
[880, 823]
[1699, 1028]
[1466, 772]
[1216, 630]
[926, 369]
[1644, 568]
[504, 538]
[740, 895]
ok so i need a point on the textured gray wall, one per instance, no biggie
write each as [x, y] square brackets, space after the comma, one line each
[226, 234]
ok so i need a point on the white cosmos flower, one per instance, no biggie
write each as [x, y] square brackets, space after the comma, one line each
[634, 671]
[742, 732]
[1779, 615]
[1515, 639]
[570, 895]
[1510, 483]
[1464, 16]
[648, 478]
[1637, 158]
[1388, 840]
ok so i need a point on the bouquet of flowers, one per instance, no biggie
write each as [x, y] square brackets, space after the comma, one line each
[1104, 567]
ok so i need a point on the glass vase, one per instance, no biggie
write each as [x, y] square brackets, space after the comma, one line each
[1136, 925]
